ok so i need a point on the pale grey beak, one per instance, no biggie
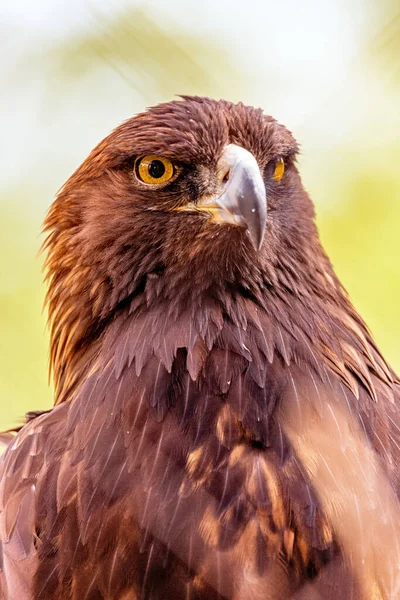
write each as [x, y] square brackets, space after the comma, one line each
[243, 200]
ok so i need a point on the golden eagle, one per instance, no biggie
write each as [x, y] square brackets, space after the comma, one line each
[224, 424]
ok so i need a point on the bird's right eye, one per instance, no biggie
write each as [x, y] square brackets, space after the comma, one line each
[153, 169]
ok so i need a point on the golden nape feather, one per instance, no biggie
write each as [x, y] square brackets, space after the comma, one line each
[224, 425]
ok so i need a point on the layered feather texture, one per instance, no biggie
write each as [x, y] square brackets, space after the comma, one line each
[225, 425]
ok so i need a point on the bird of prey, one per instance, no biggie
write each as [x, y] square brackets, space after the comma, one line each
[225, 427]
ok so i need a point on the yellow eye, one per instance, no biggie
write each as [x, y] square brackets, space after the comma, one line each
[279, 170]
[153, 169]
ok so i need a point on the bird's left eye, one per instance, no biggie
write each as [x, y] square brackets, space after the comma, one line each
[275, 170]
[154, 170]
[279, 170]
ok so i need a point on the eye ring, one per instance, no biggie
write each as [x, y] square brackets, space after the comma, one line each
[279, 169]
[154, 170]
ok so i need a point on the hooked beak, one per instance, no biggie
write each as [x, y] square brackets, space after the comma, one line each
[242, 197]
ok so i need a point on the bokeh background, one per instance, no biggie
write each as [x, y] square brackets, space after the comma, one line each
[72, 70]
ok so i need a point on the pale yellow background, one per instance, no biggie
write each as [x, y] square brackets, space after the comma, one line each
[72, 70]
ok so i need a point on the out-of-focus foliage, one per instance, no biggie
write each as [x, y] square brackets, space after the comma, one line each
[384, 49]
[23, 344]
[64, 93]
[152, 60]
[361, 236]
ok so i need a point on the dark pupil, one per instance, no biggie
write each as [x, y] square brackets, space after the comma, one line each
[156, 169]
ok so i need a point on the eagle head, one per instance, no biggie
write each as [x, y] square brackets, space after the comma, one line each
[191, 196]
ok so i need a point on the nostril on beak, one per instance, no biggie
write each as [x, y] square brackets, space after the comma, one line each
[226, 176]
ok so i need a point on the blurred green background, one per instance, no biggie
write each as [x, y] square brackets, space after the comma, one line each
[73, 70]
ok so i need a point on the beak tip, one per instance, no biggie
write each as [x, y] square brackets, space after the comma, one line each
[256, 238]
[255, 219]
